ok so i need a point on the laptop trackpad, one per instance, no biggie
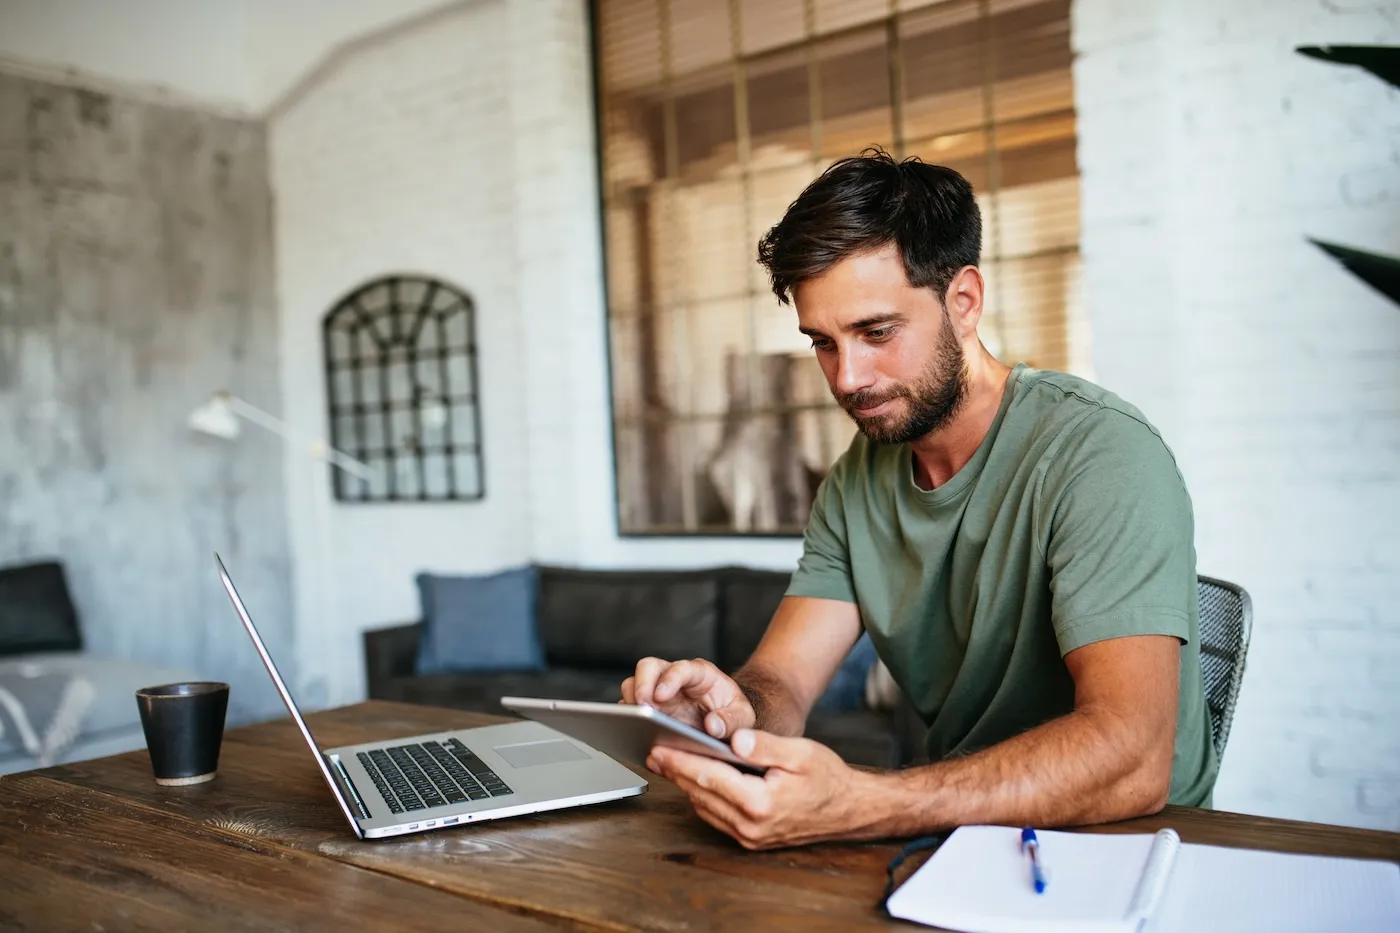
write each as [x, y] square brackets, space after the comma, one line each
[549, 752]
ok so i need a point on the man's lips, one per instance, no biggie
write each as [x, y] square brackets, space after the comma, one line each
[879, 408]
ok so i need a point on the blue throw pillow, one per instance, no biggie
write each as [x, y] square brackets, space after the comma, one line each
[847, 688]
[483, 622]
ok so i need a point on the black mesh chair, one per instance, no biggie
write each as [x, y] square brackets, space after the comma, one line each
[1226, 616]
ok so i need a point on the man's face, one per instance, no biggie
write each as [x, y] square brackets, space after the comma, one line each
[888, 350]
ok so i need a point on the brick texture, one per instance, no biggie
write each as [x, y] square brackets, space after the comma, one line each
[400, 159]
[1209, 151]
[463, 147]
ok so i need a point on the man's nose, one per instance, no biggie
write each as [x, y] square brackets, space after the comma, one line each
[853, 373]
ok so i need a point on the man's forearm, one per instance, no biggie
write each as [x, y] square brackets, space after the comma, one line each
[774, 707]
[1081, 768]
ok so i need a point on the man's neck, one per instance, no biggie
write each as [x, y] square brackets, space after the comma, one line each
[940, 454]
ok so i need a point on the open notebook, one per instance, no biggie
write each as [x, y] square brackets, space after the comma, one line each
[979, 882]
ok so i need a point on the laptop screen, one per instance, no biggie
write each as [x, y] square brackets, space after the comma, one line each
[286, 694]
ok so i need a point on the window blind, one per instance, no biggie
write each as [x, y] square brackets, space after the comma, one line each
[713, 115]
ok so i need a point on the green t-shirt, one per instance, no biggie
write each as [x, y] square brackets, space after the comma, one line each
[1070, 524]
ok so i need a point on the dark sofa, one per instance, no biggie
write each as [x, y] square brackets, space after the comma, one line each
[596, 624]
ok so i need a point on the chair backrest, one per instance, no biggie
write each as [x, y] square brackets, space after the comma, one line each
[1226, 616]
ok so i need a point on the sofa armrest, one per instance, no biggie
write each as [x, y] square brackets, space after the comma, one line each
[390, 653]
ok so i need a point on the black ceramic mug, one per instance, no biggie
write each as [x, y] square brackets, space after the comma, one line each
[184, 726]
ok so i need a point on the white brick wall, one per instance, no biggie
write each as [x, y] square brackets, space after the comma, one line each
[463, 148]
[1209, 151]
[399, 160]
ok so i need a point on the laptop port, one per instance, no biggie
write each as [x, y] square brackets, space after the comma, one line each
[449, 821]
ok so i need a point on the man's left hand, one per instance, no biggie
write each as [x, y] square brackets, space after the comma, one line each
[808, 794]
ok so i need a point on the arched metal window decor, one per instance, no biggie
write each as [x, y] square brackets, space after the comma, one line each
[401, 386]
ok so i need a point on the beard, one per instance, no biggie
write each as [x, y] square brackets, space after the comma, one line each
[934, 398]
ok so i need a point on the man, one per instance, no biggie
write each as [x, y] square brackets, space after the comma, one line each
[1017, 543]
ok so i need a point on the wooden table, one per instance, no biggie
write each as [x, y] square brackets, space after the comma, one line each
[98, 845]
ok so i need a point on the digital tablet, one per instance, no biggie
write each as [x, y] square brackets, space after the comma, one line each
[624, 730]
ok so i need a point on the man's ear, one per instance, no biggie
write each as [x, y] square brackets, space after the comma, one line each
[964, 300]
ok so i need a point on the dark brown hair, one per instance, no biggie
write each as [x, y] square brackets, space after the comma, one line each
[867, 201]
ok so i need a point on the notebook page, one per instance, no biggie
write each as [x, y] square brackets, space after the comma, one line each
[1245, 890]
[979, 882]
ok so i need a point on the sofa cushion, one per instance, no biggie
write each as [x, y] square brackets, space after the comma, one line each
[479, 622]
[847, 688]
[36, 613]
[610, 619]
[42, 710]
[482, 692]
[114, 683]
[747, 600]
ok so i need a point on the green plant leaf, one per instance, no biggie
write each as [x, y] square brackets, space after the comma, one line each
[1380, 272]
[1383, 61]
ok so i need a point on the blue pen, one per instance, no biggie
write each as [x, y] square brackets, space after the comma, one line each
[1031, 846]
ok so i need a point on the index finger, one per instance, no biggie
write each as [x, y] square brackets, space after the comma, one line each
[644, 680]
[684, 678]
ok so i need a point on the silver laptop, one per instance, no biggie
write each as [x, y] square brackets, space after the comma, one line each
[424, 782]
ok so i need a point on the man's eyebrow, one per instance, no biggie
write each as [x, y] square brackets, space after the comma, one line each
[876, 320]
[863, 324]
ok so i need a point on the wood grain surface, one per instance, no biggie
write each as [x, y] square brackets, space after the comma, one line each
[264, 845]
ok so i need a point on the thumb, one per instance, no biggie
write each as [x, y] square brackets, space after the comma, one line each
[727, 720]
[771, 751]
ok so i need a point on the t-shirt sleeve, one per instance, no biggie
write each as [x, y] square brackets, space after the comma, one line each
[1118, 533]
[824, 571]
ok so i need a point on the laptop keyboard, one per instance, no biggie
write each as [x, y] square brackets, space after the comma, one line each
[430, 774]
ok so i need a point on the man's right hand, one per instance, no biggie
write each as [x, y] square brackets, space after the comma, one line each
[695, 692]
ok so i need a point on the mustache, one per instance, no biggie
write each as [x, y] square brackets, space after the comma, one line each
[868, 398]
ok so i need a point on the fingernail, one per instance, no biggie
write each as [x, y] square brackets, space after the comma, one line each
[715, 726]
[743, 742]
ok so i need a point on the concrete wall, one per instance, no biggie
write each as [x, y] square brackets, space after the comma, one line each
[135, 279]
[1209, 151]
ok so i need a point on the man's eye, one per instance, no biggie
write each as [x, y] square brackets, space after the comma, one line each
[821, 343]
[880, 333]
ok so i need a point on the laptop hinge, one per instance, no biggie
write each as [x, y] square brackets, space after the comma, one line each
[348, 785]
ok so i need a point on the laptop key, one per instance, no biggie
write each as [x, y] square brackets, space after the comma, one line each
[466, 756]
[494, 783]
[480, 770]
[392, 795]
